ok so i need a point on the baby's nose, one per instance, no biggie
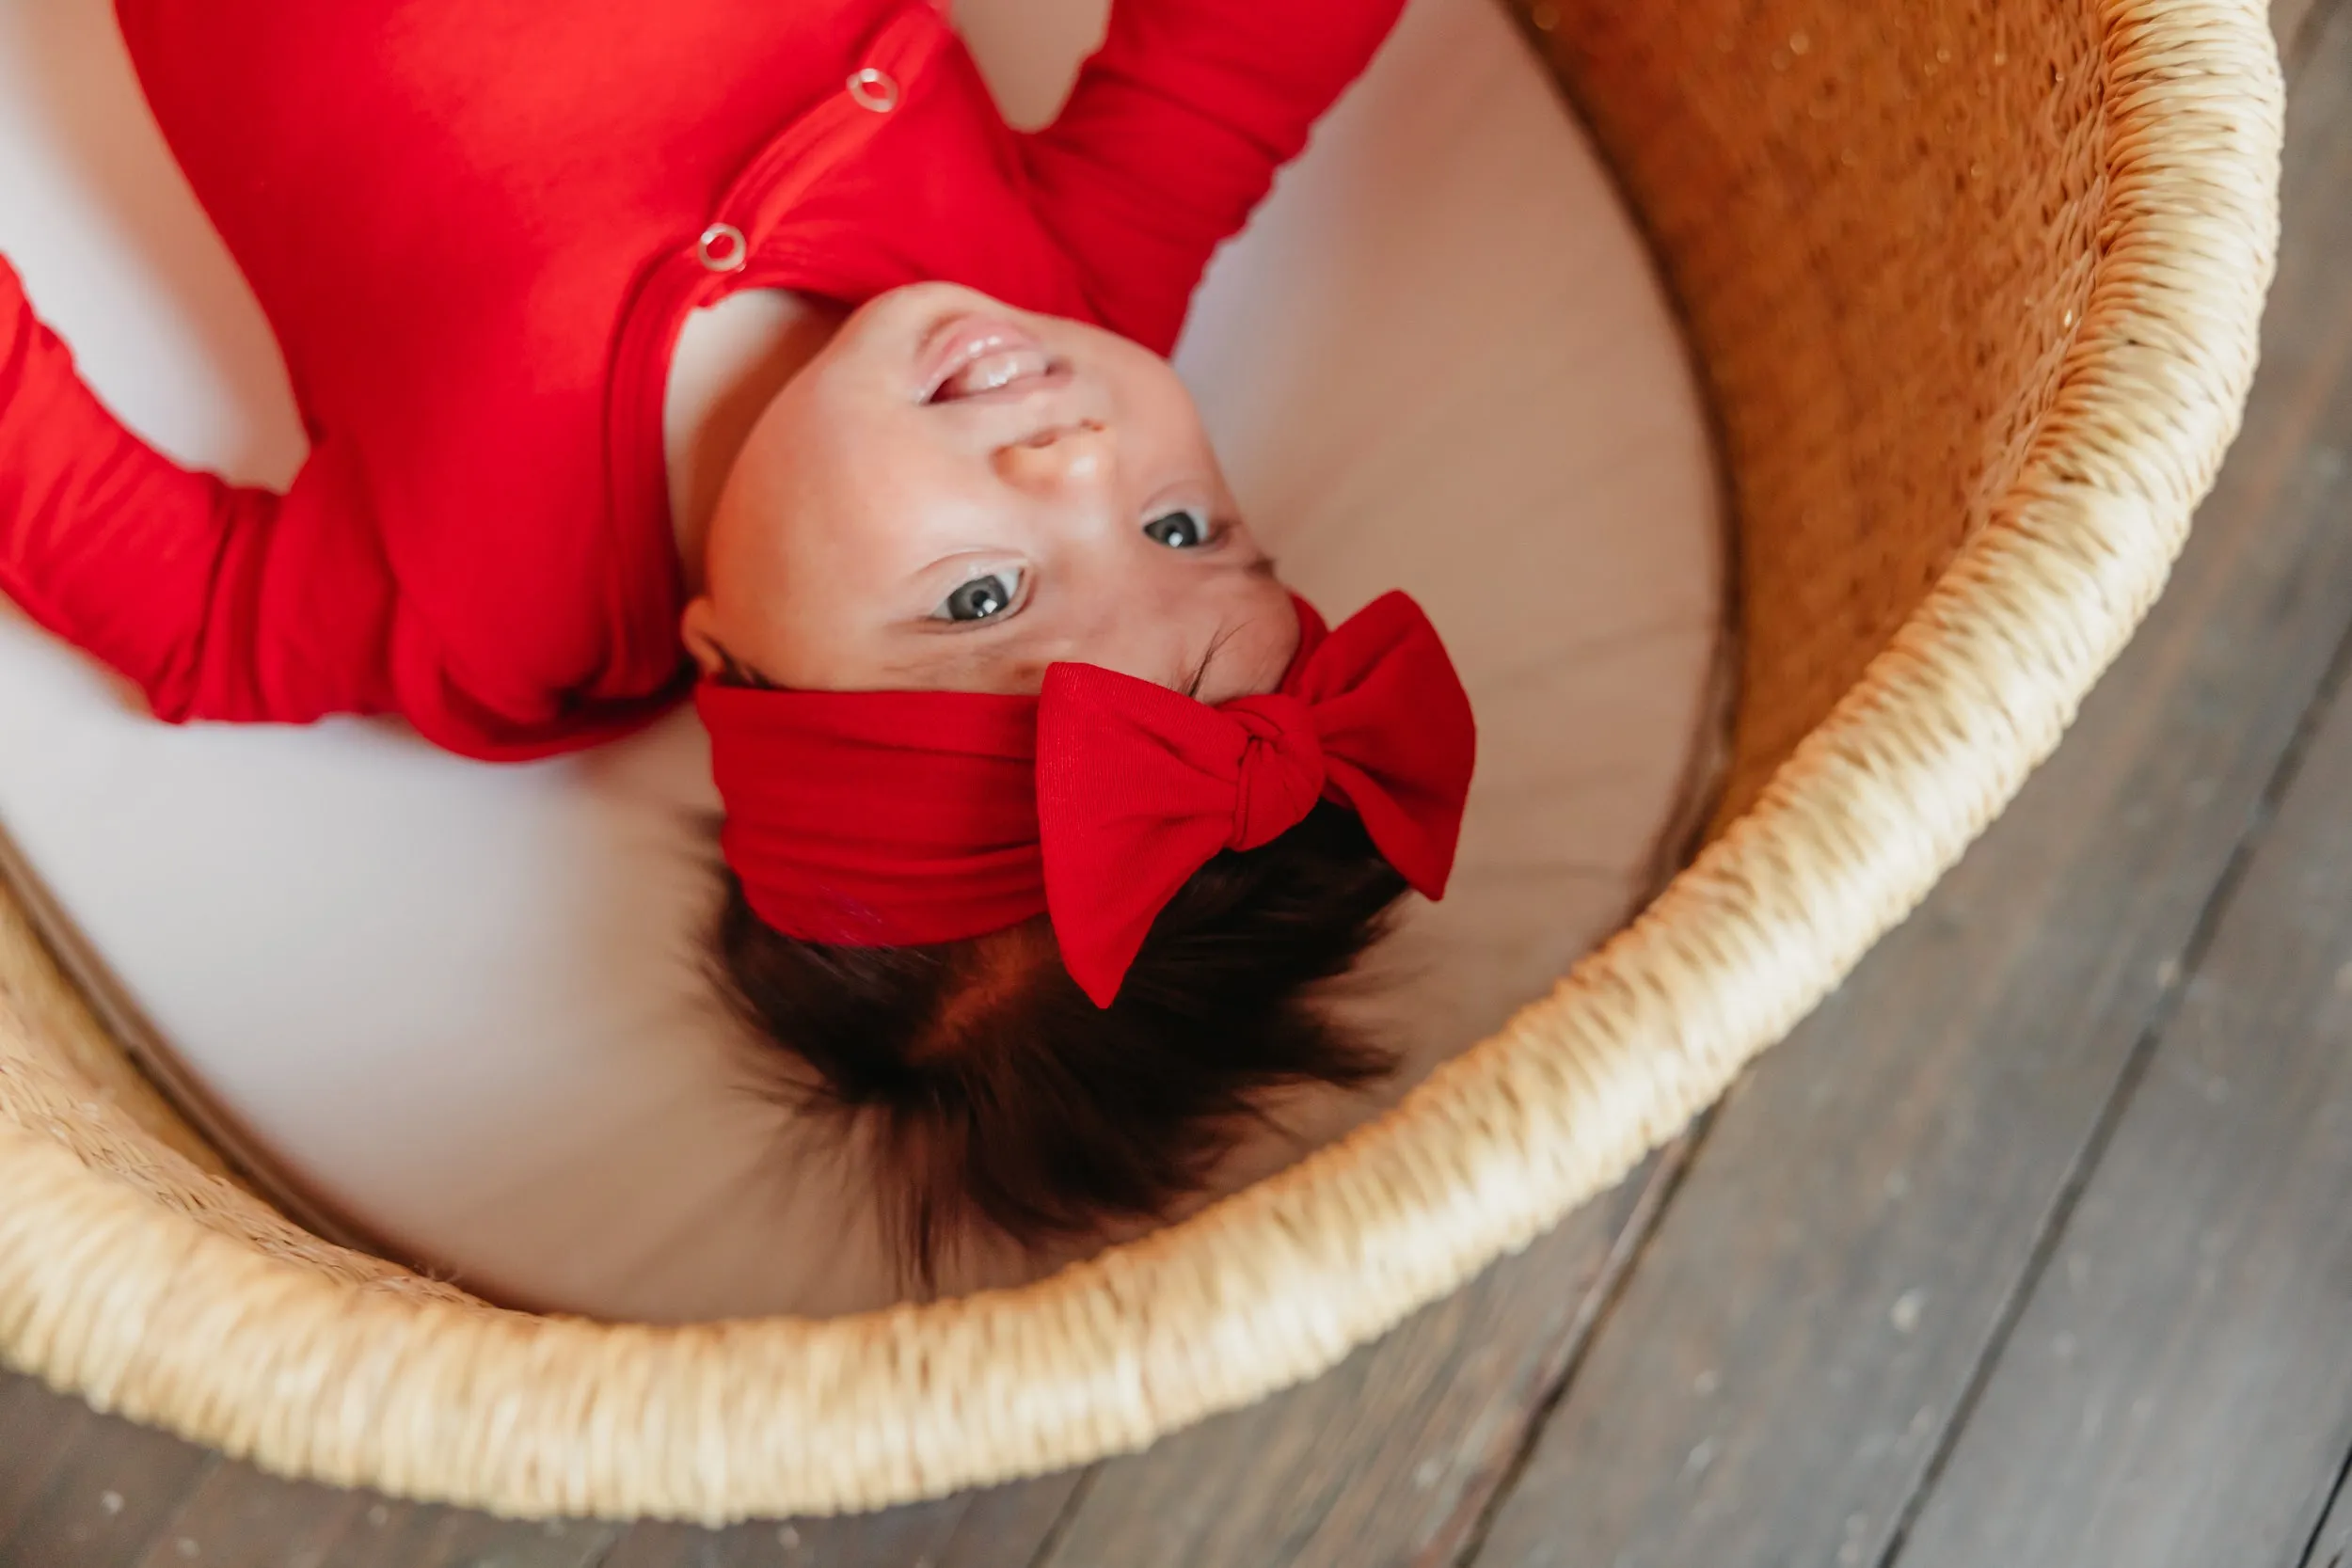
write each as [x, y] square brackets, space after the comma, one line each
[1058, 457]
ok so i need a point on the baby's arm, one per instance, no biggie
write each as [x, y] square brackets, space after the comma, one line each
[1174, 132]
[219, 602]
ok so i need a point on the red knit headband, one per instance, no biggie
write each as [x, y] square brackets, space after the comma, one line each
[892, 818]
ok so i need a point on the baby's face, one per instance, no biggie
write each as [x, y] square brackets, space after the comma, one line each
[955, 495]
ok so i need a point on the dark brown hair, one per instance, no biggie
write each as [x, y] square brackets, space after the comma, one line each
[996, 1092]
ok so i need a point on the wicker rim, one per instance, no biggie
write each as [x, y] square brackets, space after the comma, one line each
[147, 1310]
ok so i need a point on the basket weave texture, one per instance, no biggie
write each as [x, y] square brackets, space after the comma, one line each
[1974, 286]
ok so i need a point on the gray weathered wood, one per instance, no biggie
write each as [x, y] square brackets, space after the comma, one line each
[240, 1517]
[1390, 1457]
[2178, 1391]
[1780, 1371]
[368, 1532]
[36, 1429]
[999, 1529]
[2297, 25]
[2179, 1386]
[2331, 1544]
[102, 1491]
[2287, 19]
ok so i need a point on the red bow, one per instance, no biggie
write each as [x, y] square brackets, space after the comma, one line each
[889, 818]
[1137, 787]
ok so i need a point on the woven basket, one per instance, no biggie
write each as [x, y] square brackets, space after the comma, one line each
[1975, 287]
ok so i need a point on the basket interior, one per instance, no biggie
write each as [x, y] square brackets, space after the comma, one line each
[1880, 223]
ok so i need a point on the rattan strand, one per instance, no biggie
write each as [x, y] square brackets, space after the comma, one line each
[1975, 289]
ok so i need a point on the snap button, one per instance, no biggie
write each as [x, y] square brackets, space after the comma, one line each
[874, 89]
[724, 248]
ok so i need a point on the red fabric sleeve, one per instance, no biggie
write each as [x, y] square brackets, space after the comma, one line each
[219, 602]
[1173, 134]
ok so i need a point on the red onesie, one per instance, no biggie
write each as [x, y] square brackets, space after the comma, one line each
[477, 226]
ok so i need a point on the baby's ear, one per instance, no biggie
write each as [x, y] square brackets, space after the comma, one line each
[698, 629]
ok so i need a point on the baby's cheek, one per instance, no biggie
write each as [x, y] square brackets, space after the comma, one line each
[1280, 623]
[769, 627]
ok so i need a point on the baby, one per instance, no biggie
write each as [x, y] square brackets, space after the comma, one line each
[716, 339]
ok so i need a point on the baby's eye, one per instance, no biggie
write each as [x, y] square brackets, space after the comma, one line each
[982, 598]
[1181, 530]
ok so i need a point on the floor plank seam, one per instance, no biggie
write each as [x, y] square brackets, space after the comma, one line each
[1056, 1532]
[612, 1546]
[2308, 1557]
[1624, 1258]
[2052, 1231]
[2046, 1241]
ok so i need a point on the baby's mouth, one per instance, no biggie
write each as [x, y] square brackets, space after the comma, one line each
[993, 373]
[977, 356]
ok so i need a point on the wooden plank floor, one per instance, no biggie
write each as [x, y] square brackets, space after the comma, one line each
[2032, 1249]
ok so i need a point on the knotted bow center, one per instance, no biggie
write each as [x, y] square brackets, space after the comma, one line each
[1282, 768]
